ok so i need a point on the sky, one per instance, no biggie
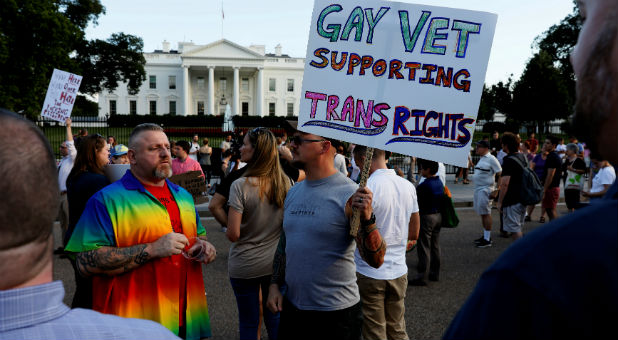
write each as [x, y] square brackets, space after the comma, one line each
[286, 22]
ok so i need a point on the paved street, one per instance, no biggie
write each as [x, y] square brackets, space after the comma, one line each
[428, 309]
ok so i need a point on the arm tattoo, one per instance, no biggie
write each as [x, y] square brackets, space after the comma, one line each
[278, 275]
[111, 260]
[371, 245]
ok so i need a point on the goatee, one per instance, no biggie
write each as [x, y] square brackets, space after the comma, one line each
[163, 171]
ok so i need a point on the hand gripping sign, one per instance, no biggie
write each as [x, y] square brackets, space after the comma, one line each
[401, 77]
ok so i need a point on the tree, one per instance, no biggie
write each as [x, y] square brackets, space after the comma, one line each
[37, 36]
[497, 98]
[540, 95]
[558, 42]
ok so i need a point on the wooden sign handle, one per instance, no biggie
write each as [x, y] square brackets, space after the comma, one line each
[355, 222]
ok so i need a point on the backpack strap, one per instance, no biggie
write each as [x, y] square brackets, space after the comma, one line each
[519, 161]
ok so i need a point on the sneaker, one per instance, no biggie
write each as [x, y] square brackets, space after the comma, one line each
[484, 244]
[434, 277]
[223, 229]
[527, 219]
[479, 240]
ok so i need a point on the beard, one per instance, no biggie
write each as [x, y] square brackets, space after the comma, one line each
[596, 93]
[162, 171]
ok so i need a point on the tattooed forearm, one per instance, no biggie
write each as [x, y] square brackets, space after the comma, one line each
[278, 276]
[371, 245]
[110, 260]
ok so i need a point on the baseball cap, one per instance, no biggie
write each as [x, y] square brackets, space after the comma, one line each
[482, 143]
[119, 150]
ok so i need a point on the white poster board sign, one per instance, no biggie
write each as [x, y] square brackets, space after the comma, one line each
[61, 95]
[401, 77]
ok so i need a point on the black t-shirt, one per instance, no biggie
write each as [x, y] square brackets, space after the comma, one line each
[512, 168]
[553, 161]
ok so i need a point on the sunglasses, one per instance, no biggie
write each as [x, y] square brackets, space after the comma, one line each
[298, 140]
[258, 130]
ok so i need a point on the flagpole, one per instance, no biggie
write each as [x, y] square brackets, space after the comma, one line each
[222, 18]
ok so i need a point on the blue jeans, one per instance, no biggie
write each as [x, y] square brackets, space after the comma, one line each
[247, 292]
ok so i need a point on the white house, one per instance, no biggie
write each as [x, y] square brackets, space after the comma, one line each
[203, 79]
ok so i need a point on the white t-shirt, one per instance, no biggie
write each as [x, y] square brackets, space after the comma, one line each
[394, 201]
[485, 171]
[66, 165]
[606, 175]
[194, 147]
[561, 148]
[340, 164]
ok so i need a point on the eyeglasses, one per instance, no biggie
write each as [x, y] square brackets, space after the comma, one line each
[297, 140]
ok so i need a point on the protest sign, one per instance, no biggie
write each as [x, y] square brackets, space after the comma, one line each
[193, 182]
[61, 95]
[401, 77]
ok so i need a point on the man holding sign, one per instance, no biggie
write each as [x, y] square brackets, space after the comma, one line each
[315, 256]
[400, 77]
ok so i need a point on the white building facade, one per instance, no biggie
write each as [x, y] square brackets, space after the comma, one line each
[204, 79]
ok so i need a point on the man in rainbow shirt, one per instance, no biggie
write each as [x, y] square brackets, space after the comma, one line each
[130, 239]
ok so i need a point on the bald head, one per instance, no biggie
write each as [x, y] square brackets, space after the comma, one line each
[30, 188]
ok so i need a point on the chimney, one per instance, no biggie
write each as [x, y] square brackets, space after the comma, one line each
[261, 49]
[278, 50]
[166, 46]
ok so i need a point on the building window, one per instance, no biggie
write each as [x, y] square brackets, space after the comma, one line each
[272, 84]
[200, 83]
[133, 107]
[172, 82]
[271, 109]
[290, 85]
[153, 82]
[244, 84]
[290, 109]
[112, 107]
[153, 107]
[200, 108]
[173, 107]
[245, 108]
[223, 84]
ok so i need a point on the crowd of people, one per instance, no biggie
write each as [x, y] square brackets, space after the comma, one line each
[296, 263]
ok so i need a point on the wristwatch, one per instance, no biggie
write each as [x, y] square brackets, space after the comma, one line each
[370, 221]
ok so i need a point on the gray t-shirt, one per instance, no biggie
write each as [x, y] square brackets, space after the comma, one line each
[320, 271]
[252, 255]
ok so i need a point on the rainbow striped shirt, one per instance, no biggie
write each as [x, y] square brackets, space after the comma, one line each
[124, 214]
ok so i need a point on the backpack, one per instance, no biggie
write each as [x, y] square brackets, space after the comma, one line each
[530, 189]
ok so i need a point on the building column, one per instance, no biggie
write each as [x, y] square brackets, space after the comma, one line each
[185, 89]
[259, 97]
[236, 99]
[211, 90]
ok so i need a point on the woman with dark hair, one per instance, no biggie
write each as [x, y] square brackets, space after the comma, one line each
[85, 180]
[205, 162]
[538, 165]
[255, 220]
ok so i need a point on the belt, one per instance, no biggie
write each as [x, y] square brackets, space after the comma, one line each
[62, 193]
